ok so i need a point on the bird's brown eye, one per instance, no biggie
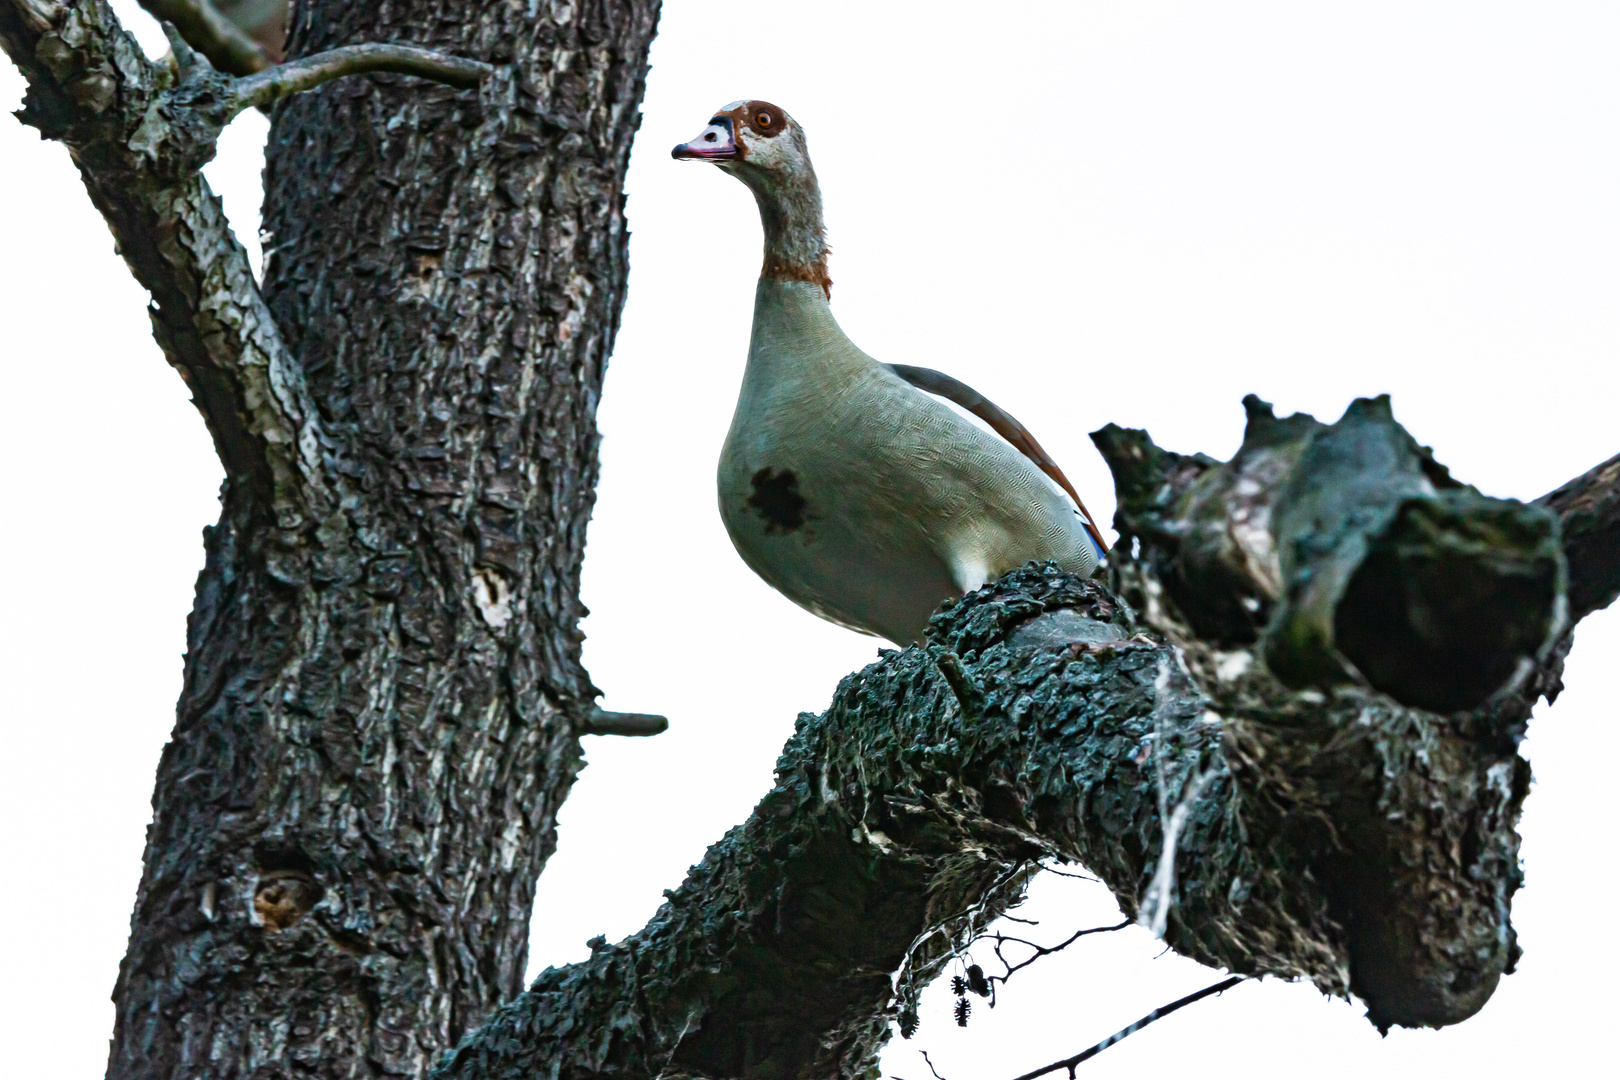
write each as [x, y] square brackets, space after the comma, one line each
[764, 120]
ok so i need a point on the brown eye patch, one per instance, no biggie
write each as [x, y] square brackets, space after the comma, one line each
[763, 118]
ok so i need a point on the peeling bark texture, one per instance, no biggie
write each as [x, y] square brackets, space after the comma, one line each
[1329, 832]
[383, 690]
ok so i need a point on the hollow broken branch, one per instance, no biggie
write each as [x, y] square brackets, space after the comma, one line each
[1349, 554]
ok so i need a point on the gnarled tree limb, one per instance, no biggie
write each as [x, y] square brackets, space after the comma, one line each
[138, 144]
[1329, 832]
[140, 134]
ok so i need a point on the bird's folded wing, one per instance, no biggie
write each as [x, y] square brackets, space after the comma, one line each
[1002, 423]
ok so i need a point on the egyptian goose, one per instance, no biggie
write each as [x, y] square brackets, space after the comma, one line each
[845, 483]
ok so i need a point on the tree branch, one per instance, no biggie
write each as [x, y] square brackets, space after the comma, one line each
[1131, 1029]
[139, 134]
[228, 48]
[1589, 508]
[999, 940]
[139, 139]
[1325, 833]
[296, 76]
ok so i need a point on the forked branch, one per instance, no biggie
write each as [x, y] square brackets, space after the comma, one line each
[140, 135]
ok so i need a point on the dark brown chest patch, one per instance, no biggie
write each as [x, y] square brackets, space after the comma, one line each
[777, 501]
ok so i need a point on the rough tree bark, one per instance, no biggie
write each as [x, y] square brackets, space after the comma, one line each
[1283, 730]
[1329, 831]
[383, 693]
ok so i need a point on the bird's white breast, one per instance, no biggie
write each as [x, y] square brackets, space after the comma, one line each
[862, 498]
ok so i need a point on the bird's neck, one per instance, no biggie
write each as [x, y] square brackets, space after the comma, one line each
[796, 342]
[795, 236]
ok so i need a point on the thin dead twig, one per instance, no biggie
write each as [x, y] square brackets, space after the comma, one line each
[1040, 950]
[1131, 1029]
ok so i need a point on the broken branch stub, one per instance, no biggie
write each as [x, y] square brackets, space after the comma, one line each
[1351, 552]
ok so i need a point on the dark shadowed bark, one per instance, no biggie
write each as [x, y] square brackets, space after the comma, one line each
[383, 690]
[1283, 728]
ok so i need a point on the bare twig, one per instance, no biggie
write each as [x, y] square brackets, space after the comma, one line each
[1131, 1029]
[1040, 950]
[212, 34]
[931, 1068]
[296, 76]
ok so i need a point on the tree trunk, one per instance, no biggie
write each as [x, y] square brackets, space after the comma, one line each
[383, 690]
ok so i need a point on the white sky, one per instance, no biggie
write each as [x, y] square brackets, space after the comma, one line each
[1090, 212]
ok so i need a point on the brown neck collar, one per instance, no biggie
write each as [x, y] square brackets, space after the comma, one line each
[795, 235]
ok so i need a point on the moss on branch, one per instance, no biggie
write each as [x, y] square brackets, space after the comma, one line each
[1323, 831]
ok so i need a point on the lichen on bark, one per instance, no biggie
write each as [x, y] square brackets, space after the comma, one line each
[1330, 833]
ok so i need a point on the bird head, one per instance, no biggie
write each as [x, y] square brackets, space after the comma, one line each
[748, 138]
[765, 148]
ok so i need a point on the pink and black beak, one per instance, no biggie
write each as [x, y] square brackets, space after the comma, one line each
[717, 142]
